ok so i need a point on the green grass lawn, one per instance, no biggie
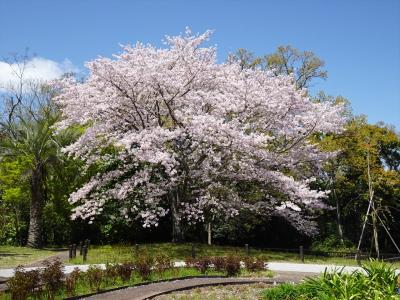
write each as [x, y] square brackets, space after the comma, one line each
[11, 256]
[121, 253]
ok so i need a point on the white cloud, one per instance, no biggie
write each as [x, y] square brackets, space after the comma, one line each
[38, 68]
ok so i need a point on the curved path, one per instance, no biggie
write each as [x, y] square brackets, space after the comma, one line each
[152, 290]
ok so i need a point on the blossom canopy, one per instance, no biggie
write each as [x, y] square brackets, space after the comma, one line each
[178, 132]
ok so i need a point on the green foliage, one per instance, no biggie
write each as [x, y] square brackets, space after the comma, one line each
[377, 283]
[23, 283]
[333, 243]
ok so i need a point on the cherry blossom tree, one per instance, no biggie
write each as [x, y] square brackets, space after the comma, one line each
[188, 132]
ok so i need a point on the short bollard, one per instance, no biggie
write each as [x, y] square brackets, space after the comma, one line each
[70, 251]
[358, 257]
[246, 246]
[84, 252]
[301, 253]
[73, 250]
[87, 244]
[80, 248]
[137, 248]
[193, 251]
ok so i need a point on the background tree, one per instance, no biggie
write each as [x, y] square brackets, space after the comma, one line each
[362, 167]
[29, 144]
[304, 66]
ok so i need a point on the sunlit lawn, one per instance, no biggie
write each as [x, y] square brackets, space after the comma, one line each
[120, 253]
[11, 256]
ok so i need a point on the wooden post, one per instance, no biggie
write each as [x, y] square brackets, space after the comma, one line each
[87, 244]
[193, 251]
[358, 257]
[80, 248]
[301, 253]
[74, 250]
[84, 252]
[70, 251]
[209, 233]
[246, 246]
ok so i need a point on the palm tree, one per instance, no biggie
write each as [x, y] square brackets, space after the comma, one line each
[26, 129]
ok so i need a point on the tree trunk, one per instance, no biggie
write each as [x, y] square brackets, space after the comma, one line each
[177, 232]
[375, 231]
[209, 233]
[339, 218]
[36, 207]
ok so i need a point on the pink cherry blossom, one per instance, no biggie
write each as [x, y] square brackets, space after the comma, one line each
[188, 127]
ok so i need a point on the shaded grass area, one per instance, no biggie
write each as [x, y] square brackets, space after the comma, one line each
[122, 253]
[11, 256]
[83, 286]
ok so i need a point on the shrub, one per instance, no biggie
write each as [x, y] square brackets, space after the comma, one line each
[232, 265]
[253, 264]
[111, 272]
[143, 264]
[71, 280]
[190, 262]
[378, 283]
[23, 283]
[124, 270]
[287, 291]
[52, 277]
[163, 262]
[203, 264]
[218, 262]
[94, 276]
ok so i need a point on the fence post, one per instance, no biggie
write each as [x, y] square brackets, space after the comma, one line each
[358, 257]
[87, 242]
[70, 251]
[246, 246]
[301, 253]
[193, 251]
[85, 252]
[80, 248]
[74, 250]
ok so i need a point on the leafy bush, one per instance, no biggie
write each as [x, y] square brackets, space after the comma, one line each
[23, 283]
[333, 243]
[287, 291]
[71, 280]
[218, 262]
[52, 277]
[163, 262]
[190, 262]
[143, 264]
[253, 264]
[94, 276]
[377, 283]
[123, 270]
[203, 264]
[232, 265]
[110, 273]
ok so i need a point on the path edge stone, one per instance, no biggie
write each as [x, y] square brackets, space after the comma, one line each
[267, 281]
[141, 284]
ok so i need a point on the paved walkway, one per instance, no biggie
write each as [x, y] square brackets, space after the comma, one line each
[155, 289]
[273, 266]
[62, 255]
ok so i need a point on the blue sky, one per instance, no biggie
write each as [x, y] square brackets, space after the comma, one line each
[359, 40]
